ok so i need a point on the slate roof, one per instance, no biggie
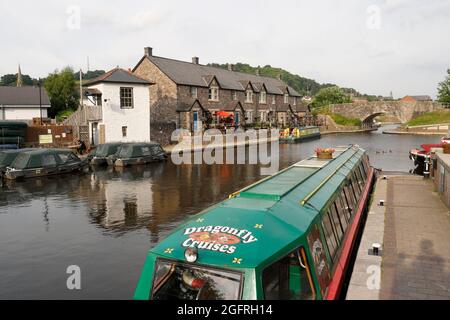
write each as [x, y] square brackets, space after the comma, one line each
[117, 75]
[422, 98]
[187, 73]
[23, 96]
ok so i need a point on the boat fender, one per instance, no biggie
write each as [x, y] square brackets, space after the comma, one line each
[191, 281]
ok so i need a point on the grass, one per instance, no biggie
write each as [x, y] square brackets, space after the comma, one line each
[339, 119]
[436, 117]
[64, 114]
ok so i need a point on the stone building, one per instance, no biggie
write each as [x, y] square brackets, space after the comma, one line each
[188, 95]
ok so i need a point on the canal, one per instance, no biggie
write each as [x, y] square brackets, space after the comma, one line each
[106, 221]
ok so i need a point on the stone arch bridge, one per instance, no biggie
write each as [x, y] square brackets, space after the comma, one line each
[394, 111]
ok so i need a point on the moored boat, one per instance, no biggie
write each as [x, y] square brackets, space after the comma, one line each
[299, 134]
[44, 162]
[289, 236]
[99, 156]
[137, 154]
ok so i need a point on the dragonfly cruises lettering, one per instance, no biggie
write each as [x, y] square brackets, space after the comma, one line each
[217, 238]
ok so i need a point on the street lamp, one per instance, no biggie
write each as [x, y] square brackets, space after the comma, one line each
[40, 99]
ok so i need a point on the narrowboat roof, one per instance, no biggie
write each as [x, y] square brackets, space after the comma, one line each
[268, 217]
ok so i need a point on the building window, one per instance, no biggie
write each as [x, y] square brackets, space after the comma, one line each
[249, 116]
[274, 99]
[249, 96]
[286, 98]
[124, 132]
[235, 95]
[263, 115]
[263, 97]
[295, 101]
[213, 94]
[194, 92]
[126, 98]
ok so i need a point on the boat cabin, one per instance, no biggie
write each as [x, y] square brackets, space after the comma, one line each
[289, 237]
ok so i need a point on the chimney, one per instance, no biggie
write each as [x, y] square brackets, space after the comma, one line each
[230, 67]
[148, 51]
[195, 60]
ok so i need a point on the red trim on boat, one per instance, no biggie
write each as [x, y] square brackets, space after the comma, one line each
[338, 278]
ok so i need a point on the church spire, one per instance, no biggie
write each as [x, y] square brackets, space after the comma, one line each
[19, 78]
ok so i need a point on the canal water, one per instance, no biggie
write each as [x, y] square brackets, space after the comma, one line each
[106, 221]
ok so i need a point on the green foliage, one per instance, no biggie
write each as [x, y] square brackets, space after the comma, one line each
[88, 75]
[436, 117]
[11, 80]
[64, 114]
[330, 95]
[444, 89]
[343, 121]
[61, 88]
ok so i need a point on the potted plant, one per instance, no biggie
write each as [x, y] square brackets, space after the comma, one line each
[325, 153]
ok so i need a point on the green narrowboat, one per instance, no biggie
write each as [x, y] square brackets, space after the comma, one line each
[44, 162]
[137, 154]
[287, 237]
[99, 156]
[8, 156]
[299, 134]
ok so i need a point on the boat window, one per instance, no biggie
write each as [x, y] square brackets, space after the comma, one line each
[146, 151]
[336, 222]
[21, 161]
[48, 160]
[350, 197]
[363, 172]
[346, 205]
[358, 180]
[361, 177]
[330, 236]
[178, 281]
[342, 211]
[354, 189]
[289, 278]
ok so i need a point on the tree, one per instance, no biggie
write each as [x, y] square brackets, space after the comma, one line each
[61, 88]
[444, 89]
[11, 80]
[330, 95]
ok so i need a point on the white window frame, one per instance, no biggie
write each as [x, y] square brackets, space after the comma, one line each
[235, 96]
[295, 101]
[286, 98]
[274, 99]
[213, 94]
[249, 116]
[249, 96]
[263, 97]
[194, 92]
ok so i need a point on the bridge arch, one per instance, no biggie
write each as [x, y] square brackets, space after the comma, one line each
[368, 120]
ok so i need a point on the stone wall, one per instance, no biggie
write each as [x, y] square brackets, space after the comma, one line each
[403, 111]
[442, 177]
[163, 102]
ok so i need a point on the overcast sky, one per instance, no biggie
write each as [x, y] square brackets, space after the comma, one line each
[374, 46]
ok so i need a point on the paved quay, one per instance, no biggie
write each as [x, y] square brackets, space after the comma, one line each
[413, 228]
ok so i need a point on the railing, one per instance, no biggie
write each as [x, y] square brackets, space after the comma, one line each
[84, 114]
